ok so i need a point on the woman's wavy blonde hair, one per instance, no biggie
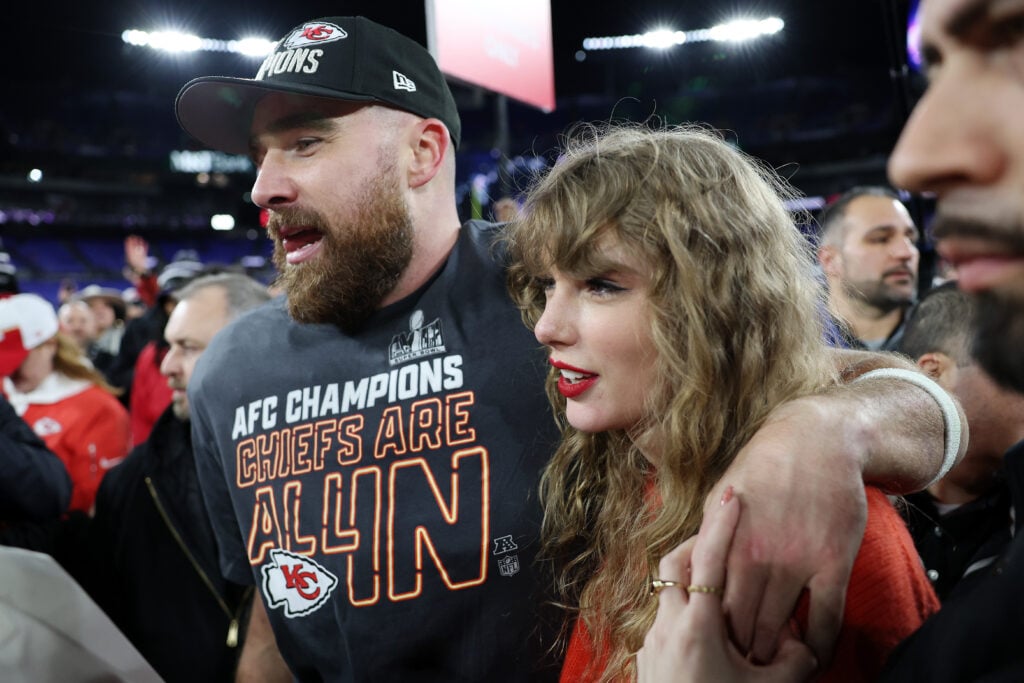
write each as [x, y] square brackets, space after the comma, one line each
[70, 361]
[735, 310]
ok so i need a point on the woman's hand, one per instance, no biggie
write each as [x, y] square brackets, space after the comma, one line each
[688, 641]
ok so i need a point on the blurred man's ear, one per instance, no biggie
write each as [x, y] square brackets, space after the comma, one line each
[939, 367]
[830, 259]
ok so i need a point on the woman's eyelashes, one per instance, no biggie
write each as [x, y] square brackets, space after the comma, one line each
[603, 285]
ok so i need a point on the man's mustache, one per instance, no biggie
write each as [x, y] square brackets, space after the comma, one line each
[1010, 233]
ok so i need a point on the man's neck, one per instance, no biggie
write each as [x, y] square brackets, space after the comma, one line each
[865, 321]
[428, 257]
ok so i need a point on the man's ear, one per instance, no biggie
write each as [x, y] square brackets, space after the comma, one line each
[939, 367]
[830, 259]
[430, 143]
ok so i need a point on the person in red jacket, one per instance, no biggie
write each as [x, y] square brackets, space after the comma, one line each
[60, 395]
[681, 315]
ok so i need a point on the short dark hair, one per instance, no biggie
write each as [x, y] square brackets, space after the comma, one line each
[242, 291]
[833, 214]
[941, 321]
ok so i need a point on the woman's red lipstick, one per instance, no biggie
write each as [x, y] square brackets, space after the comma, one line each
[571, 387]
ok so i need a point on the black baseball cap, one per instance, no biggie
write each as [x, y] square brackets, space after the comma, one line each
[342, 58]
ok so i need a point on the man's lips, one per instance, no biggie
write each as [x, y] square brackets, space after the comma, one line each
[982, 264]
[299, 243]
[899, 273]
[573, 381]
[295, 239]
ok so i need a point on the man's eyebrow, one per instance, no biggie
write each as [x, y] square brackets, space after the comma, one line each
[314, 120]
[959, 25]
[891, 227]
[966, 18]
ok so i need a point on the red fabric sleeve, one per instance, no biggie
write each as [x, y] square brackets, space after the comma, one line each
[96, 439]
[148, 289]
[888, 598]
[150, 394]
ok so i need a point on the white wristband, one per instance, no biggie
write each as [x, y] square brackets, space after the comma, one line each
[950, 415]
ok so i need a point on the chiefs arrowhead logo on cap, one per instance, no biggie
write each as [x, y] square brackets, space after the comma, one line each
[313, 33]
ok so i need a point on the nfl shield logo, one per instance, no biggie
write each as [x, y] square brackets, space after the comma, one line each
[509, 566]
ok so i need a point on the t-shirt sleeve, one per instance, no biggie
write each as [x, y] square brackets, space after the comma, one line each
[210, 466]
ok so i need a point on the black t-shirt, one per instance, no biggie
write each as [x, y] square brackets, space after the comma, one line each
[380, 488]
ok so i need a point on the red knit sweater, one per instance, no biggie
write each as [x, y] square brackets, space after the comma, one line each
[888, 598]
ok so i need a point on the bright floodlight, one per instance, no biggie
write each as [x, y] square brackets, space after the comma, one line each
[174, 41]
[222, 221]
[253, 47]
[745, 29]
[660, 39]
[35, 175]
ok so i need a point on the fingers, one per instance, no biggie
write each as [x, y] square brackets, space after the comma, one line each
[699, 561]
[675, 567]
[688, 639]
[747, 581]
[779, 599]
[711, 551]
[825, 617]
[794, 661]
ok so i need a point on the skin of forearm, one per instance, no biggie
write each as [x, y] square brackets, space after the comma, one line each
[898, 424]
[260, 660]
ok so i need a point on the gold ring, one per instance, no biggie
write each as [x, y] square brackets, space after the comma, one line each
[658, 584]
[710, 590]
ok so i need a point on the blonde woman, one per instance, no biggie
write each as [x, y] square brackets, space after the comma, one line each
[680, 312]
[61, 396]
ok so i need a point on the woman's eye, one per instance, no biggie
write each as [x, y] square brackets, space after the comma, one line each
[603, 286]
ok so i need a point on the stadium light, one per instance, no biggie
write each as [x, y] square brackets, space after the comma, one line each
[738, 30]
[176, 42]
[222, 221]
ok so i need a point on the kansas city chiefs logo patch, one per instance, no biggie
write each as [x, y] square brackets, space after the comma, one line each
[297, 583]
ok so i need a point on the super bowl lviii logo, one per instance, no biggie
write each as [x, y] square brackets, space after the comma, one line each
[422, 339]
[297, 583]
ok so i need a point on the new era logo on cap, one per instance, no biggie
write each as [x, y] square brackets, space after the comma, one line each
[402, 82]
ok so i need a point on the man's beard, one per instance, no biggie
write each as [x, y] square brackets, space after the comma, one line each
[181, 410]
[999, 336]
[360, 261]
[878, 295]
[998, 313]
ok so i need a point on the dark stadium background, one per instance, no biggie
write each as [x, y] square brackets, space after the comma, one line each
[823, 101]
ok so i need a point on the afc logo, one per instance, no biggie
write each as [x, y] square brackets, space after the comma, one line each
[297, 583]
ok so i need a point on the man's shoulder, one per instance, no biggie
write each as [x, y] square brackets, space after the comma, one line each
[249, 338]
[252, 328]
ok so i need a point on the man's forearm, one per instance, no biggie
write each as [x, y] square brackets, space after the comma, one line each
[260, 660]
[900, 425]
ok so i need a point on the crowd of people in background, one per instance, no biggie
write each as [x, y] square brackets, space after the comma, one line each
[755, 469]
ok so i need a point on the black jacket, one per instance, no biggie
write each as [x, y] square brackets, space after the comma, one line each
[976, 634]
[153, 561]
[34, 485]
